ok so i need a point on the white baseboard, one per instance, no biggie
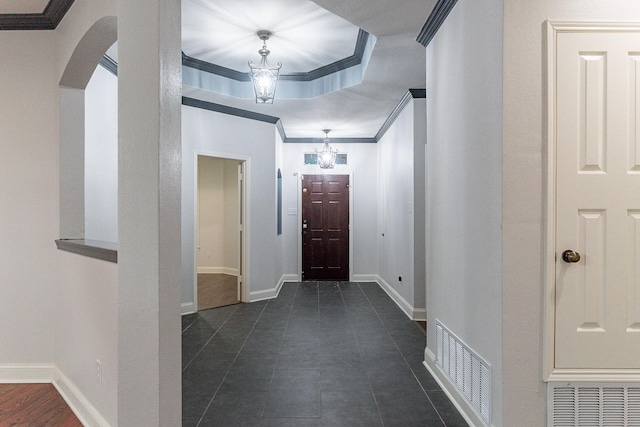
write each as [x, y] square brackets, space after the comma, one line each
[27, 372]
[365, 278]
[48, 373]
[218, 270]
[187, 308]
[409, 310]
[273, 292]
[420, 314]
[84, 410]
[459, 401]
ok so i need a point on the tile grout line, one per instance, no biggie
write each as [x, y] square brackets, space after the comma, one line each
[375, 399]
[275, 367]
[232, 362]
[209, 340]
[406, 362]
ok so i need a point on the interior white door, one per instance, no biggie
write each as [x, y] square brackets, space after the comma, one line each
[598, 200]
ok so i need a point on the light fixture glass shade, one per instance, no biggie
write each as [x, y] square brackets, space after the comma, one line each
[326, 155]
[264, 76]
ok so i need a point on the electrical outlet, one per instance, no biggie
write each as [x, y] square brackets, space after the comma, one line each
[98, 371]
[399, 278]
[208, 255]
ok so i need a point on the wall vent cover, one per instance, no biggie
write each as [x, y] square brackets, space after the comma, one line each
[466, 369]
[594, 405]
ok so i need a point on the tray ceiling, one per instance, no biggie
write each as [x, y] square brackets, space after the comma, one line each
[306, 35]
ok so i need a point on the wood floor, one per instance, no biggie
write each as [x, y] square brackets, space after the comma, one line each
[216, 290]
[29, 405]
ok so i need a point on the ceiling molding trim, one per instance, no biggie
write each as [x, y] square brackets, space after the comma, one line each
[207, 67]
[408, 97]
[434, 21]
[318, 73]
[280, 129]
[342, 64]
[333, 140]
[109, 64]
[224, 109]
[219, 108]
[47, 20]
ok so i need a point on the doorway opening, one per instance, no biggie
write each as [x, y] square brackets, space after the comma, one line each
[325, 227]
[220, 234]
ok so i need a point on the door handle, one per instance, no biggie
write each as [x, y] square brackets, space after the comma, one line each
[570, 256]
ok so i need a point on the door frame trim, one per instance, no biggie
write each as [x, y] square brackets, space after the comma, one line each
[299, 176]
[244, 258]
[549, 372]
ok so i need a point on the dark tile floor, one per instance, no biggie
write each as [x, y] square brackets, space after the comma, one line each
[321, 354]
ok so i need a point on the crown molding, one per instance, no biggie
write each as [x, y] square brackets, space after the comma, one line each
[434, 21]
[47, 20]
[219, 108]
[109, 64]
[318, 73]
[224, 109]
[410, 95]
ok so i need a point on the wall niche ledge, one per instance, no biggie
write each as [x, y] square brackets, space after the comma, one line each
[98, 249]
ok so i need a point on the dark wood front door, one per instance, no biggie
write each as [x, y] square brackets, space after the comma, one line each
[325, 227]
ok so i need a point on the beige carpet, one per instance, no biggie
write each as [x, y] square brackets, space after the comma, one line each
[216, 290]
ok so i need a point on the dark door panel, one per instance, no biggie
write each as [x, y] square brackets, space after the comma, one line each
[325, 232]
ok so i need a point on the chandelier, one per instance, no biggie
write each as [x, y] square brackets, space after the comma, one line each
[264, 76]
[326, 155]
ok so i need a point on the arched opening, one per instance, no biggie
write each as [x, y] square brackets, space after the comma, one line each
[77, 74]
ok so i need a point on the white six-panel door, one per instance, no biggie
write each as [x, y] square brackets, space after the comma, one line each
[597, 105]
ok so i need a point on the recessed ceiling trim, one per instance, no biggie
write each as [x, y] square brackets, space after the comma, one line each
[342, 64]
[336, 140]
[411, 94]
[219, 108]
[213, 78]
[109, 64]
[47, 20]
[218, 70]
[224, 109]
[434, 21]
[318, 73]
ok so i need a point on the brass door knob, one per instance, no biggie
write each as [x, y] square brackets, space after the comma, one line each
[570, 256]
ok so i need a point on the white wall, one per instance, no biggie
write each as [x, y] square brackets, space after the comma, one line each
[101, 157]
[464, 175]
[86, 317]
[523, 177]
[29, 194]
[87, 330]
[55, 307]
[362, 162]
[210, 213]
[222, 135]
[401, 205]
[231, 216]
[218, 215]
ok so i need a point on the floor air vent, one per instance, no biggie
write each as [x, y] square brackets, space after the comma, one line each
[613, 405]
[468, 371]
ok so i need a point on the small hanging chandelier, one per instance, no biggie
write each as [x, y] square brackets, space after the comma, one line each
[264, 76]
[326, 155]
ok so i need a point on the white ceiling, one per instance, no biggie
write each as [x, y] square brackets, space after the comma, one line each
[397, 63]
[307, 35]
